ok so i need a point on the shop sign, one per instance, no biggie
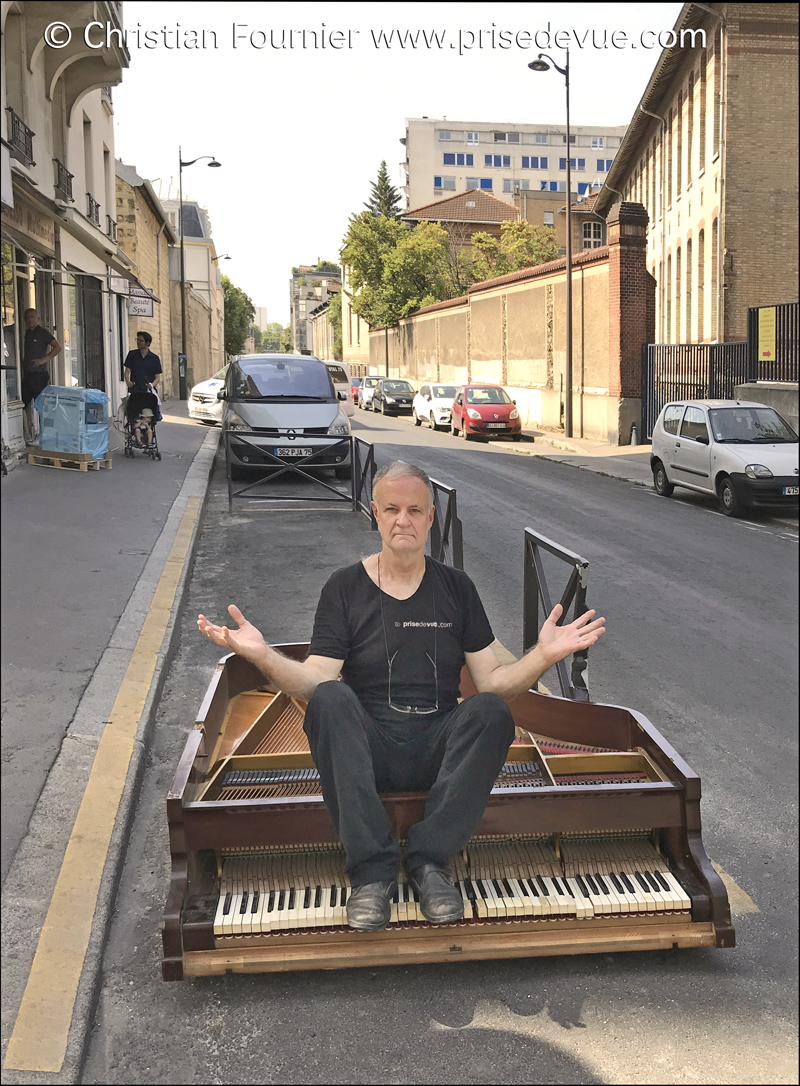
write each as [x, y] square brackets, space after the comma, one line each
[141, 303]
[26, 219]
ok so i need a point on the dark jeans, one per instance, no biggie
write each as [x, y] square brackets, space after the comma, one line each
[455, 758]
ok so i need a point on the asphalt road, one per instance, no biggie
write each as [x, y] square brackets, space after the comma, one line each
[701, 638]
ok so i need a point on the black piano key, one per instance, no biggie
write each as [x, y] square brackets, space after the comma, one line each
[333, 897]
[396, 895]
[484, 892]
[650, 878]
[617, 884]
[627, 883]
[271, 901]
[593, 887]
[509, 891]
[317, 897]
[243, 907]
[281, 899]
[583, 886]
[343, 898]
[530, 888]
[662, 881]
[600, 883]
[471, 896]
[307, 897]
[642, 882]
[543, 886]
[500, 891]
[558, 886]
[292, 895]
[254, 907]
[226, 908]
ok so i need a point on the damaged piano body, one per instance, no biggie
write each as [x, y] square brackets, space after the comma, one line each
[590, 843]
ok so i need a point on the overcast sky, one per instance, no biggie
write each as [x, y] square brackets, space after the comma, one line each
[301, 132]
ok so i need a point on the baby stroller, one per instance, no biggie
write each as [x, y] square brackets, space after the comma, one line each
[141, 415]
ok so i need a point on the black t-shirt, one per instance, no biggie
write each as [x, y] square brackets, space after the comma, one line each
[37, 344]
[438, 624]
[143, 368]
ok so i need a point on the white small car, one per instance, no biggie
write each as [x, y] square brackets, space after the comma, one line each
[742, 452]
[203, 402]
[432, 404]
[340, 375]
[365, 392]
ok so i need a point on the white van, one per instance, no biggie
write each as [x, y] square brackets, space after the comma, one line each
[340, 375]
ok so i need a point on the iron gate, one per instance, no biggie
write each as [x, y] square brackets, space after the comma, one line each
[689, 371]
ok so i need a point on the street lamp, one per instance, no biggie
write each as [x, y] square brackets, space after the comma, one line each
[182, 355]
[541, 65]
[224, 256]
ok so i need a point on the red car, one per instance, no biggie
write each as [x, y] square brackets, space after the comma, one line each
[485, 411]
[354, 386]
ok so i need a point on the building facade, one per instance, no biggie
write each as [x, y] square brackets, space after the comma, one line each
[444, 156]
[355, 332]
[145, 234]
[711, 152]
[59, 232]
[308, 288]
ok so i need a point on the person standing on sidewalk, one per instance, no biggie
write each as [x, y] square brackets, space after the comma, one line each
[399, 626]
[40, 346]
[143, 368]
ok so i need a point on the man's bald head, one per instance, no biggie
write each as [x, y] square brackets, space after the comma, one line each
[397, 469]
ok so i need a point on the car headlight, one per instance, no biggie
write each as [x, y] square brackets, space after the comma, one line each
[514, 414]
[473, 414]
[757, 471]
[388, 399]
[236, 422]
[340, 427]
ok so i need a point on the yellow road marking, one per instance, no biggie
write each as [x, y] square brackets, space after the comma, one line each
[740, 901]
[39, 1040]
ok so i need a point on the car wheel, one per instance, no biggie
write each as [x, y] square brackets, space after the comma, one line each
[516, 437]
[417, 419]
[464, 433]
[344, 471]
[453, 429]
[729, 504]
[383, 407]
[432, 422]
[661, 483]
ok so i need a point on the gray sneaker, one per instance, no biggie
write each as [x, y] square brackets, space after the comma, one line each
[440, 901]
[370, 906]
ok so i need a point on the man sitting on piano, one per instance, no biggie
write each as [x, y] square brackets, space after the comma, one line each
[398, 627]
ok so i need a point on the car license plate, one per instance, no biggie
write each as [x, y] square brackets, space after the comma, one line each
[495, 426]
[789, 490]
[293, 452]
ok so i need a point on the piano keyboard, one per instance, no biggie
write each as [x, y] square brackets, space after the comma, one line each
[499, 881]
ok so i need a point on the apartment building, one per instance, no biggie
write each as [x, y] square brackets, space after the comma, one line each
[59, 230]
[309, 287]
[711, 152]
[444, 156]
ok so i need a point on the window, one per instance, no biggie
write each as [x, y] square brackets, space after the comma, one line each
[437, 182]
[473, 182]
[598, 143]
[553, 186]
[540, 137]
[451, 159]
[506, 137]
[533, 163]
[694, 424]
[604, 164]
[592, 235]
[440, 182]
[672, 417]
[500, 161]
[510, 184]
[486, 182]
[444, 136]
[574, 164]
[564, 138]
[549, 218]
[472, 137]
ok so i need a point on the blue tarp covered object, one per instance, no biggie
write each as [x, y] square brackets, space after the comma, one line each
[73, 420]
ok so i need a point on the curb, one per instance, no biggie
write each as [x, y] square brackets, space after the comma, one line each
[64, 788]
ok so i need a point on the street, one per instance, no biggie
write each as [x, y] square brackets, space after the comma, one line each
[701, 639]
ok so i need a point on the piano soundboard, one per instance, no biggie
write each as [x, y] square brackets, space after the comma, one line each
[590, 843]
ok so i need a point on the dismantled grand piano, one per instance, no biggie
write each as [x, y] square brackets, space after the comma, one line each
[590, 843]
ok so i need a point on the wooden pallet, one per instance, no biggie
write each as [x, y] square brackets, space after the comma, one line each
[40, 458]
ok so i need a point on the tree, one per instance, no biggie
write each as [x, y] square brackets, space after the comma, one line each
[366, 245]
[335, 317]
[271, 337]
[415, 272]
[520, 245]
[239, 311]
[327, 267]
[384, 199]
[285, 342]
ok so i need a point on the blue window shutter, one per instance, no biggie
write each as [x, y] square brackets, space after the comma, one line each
[581, 163]
[487, 160]
[542, 163]
[469, 160]
[507, 161]
[601, 165]
[554, 186]
[582, 187]
[526, 162]
[437, 182]
[449, 159]
[562, 164]
[486, 182]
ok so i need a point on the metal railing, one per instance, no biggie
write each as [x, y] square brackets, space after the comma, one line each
[111, 228]
[573, 684]
[773, 358]
[446, 537]
[689, 371]
[92, 209]
[20, 138]
[362, 458]
[63, 181]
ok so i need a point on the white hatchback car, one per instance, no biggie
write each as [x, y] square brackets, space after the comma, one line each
[340, 375]
[433, 404]
[203, 403]
[741, 452]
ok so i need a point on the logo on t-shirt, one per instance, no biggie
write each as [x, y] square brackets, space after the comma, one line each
[426, 625]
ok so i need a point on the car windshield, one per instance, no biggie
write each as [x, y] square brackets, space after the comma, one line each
[397, 386]
[279, 378]
[443, 392]
[487, 395]
[750, 426]
[371, 382]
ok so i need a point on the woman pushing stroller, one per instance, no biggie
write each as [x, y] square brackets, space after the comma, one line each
[142, 374]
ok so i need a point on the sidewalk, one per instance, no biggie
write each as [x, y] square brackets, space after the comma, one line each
[628, 462]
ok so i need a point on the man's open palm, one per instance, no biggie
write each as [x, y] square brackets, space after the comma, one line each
[559, 642]
[246, 640]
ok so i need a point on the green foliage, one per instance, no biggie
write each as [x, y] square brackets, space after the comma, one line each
[521, 245]
[285, 342]
[239, 311]
[268, 339]
[335, 317]
[366, 245]
[384, 199]
[327, 267]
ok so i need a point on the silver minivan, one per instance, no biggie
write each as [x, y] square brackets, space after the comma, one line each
[284, 406]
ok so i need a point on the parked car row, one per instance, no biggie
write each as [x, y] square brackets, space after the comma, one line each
[476, 410]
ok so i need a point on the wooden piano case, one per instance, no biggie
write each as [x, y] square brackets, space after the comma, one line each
[604, 769]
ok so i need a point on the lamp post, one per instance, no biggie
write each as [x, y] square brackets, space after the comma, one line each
[541, 65]
[182, 355]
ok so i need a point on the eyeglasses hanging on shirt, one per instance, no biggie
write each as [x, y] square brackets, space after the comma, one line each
[411, 709]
